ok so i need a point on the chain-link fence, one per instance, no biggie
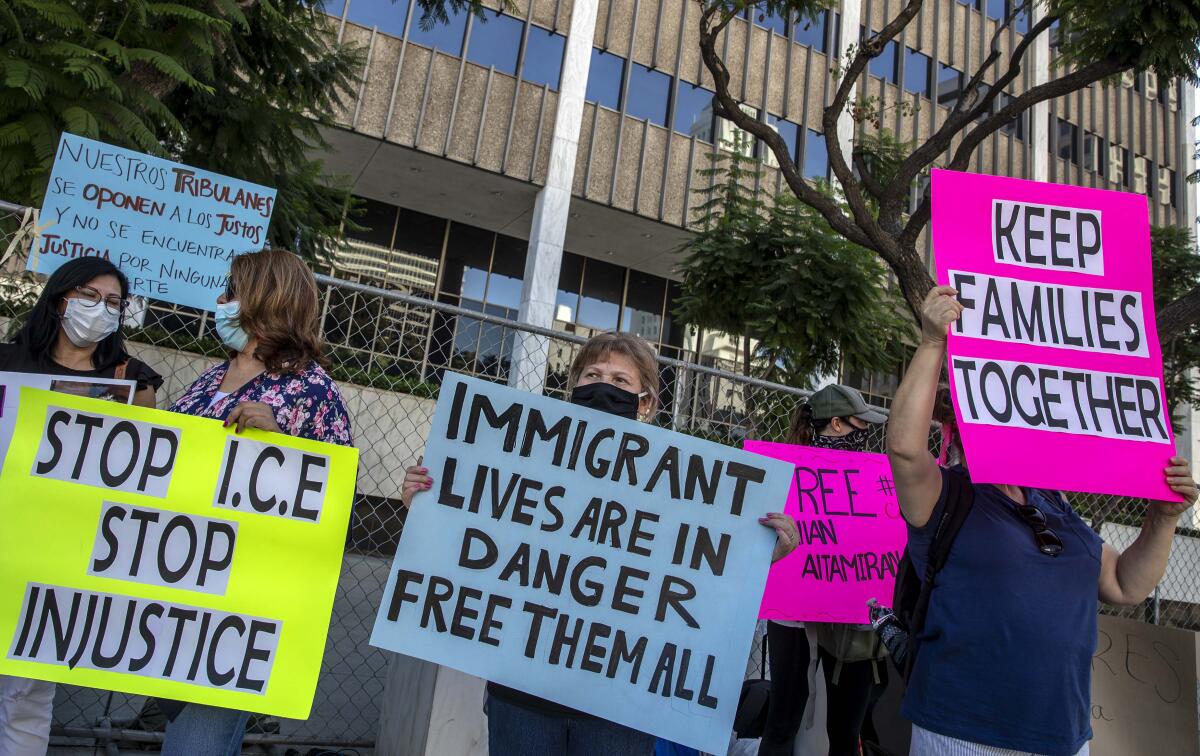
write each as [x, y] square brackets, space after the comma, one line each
[389, 352]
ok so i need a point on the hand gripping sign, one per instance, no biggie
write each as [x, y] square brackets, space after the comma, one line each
[161, 554]
[601, 563]
[1054, 365]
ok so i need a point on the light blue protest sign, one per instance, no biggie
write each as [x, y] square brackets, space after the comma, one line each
[597, 562]
[172, 229]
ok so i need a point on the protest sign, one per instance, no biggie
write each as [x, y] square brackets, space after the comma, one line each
[601, 563]
[110, 389]
[185, 561]
[171, 228]
[851, 535]
[1056, 356]
[1143, 689]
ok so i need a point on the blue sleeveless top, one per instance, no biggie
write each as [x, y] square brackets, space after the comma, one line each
[1005, 655]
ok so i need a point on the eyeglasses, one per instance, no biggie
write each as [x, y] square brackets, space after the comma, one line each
[1047, 540]
[89, 297]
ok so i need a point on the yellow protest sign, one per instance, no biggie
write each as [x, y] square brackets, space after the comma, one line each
[161, 554]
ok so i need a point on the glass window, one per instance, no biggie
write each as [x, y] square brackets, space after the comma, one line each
[790, 133]
[603, 285]
[647, 95]
[885, 65]
[811, 31]
[816, 156]
[1023, 21]
[570, 278]
[950, 83]
[604, 79]
[378, 220]
[969, 3]
[386, 15]
[995, 9]
[643, 311]
[543, 57]
[1168, 191]
[1068, 139]
[1015, 127]
[335, 7]
[1093, 152]
[445, 37]
[916, 72]
[766, 19]
[1118, 163]
[693, 111]
[495, 41]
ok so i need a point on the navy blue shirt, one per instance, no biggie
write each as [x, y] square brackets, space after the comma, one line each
[1005, 655]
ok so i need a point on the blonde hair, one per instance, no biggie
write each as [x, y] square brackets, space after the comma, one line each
[278, 298]
[599, 347]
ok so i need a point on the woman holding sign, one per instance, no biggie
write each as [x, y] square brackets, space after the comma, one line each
[274, 381]
[836, 417]
[1004, 658]
[74, 331]
[615, 373]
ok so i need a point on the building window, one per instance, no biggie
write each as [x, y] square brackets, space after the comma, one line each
[445, 37]
[917, 73]
[1023, 21]
[767, 19]
[1093, 153]
[885, 64]
[1119, 168]
[1014, 127]
[812, 31]
[693, 111]
[816, 156]
[600, 300]
[995, 9]
[1141, 175]
[495, 41]
[791, 135]
[385, 15]
[1166, 186]
[543, 57]
[970, 3]
[648, 94]
[950, 84]
[1068, 141]
[604, 79]
[643, 311]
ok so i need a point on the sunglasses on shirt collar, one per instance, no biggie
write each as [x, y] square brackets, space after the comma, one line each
[1047, 540]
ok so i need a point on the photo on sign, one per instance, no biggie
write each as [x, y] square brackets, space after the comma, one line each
[110, 392]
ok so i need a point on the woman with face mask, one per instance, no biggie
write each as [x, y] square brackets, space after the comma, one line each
[274, 380]
[74, 331]
[615, 373]
[836, 417]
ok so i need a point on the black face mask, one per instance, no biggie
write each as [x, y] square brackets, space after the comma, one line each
[607, 398]
[855, 440]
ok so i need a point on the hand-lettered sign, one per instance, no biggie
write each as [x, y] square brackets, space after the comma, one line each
[1143, 690]
[600, 563]
[172, 229]
[1056, 354]
[851, 535]
[184, 561]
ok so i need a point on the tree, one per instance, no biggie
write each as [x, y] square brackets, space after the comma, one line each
[777, 273]
[240, 87]
[1176, 271]
[1098, 40]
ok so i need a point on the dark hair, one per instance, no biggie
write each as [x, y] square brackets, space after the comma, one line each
[40, 329]
[805, 425]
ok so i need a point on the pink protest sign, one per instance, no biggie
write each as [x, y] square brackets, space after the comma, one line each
[1055, 366]
[851, 535]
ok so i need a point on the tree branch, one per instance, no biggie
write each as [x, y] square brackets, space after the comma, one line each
[1176, 317]
[710, 29]
[864, 174]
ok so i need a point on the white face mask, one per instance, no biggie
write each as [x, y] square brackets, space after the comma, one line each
[86, 325]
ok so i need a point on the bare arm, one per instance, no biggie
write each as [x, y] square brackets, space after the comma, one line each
[914, 470]
[145, 398]
[1128, 577]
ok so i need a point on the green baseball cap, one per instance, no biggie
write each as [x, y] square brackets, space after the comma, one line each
[843, 401]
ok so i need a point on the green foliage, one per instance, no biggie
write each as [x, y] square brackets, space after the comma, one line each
[1176, 272]
[780, 275]
[235, 87]
[1162, 36]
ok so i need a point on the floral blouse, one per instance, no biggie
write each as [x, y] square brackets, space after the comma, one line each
[306, 403]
